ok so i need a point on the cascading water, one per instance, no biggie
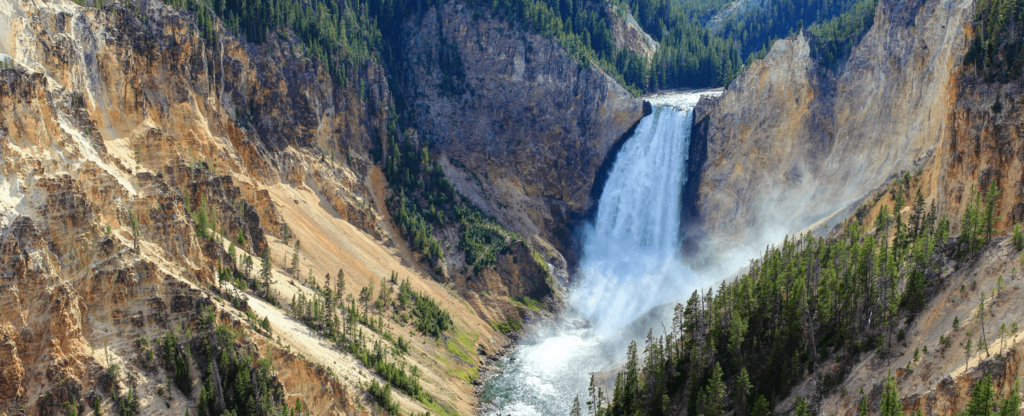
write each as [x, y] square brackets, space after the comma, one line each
[630, 260]
[630, 264]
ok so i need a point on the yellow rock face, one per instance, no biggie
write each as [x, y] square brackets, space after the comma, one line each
[115, 127]
[790, 142]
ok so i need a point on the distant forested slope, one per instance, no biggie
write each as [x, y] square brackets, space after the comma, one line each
[344, 33]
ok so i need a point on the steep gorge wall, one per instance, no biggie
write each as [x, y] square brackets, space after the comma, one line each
[523, 129]
[114, 123]
[117, 123]
[790, 139]
[983, 145]
[790, 142]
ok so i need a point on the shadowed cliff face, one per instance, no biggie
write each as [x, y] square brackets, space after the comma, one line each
[522, 127]
[790, 142]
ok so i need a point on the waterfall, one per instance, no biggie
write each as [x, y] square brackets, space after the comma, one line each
[630, 260]
[630, 264]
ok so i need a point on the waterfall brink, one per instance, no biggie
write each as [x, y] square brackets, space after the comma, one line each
[630, 264]
[630, 260]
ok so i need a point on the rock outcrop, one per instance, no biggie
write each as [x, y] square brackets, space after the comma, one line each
[523, 128]
[790, 141]
[982, 145]
[120, 126]
[628, 34]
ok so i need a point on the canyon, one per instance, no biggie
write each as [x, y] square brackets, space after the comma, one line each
[144, 156]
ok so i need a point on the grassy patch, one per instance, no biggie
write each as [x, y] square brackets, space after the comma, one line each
[510, 324]
[461, 346]
[525, 302]
[437, 409]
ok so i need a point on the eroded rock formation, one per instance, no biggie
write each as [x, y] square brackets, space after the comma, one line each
[790, 141]
[522, 127]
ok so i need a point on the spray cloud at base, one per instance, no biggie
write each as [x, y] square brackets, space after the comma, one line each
[630, 265]
[630, 260]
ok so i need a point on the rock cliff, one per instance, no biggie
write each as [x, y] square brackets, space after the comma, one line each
[790, 141]
[522, 128]
[628, 34]
[982, 145]
[120, 124]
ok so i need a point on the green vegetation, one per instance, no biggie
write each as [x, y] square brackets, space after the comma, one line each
[424, 199]
[231, 380]
[1018, 238]
[340, 34]
[243, 280]
[836, 37]
[420, 186]
[345, 35]
[996, 50]
[127, 402]
[984, 399]
[527, 303]
[756, 27]
[327, 313]
[891, 405]
[381, 393]
[802, 303]
[581, 27]
[507, 326]
[978, 223]
[429, 318]
[204, 219]
[178, 362]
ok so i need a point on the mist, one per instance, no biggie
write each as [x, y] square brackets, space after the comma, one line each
[630, 260]
[632, 272]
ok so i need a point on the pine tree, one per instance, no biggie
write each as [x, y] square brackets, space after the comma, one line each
[339, 283]
[594, 404]
[800, 407]
[295, 260]
[1002, 337]
[247, 265]
[917, 219]
[576, 411]
[742, 388]
[761, 407]
[201, 220]
[891, 405]
[982, 398]
[1010, 406]
[991, 197]
[983, 343]
[267, 270]
[714, 393]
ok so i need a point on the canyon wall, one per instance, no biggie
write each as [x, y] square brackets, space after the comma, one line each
[790, 141]
[522, 127]
[119, 123]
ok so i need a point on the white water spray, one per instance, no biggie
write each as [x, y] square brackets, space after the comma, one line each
[630, 264]
[630, 260]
